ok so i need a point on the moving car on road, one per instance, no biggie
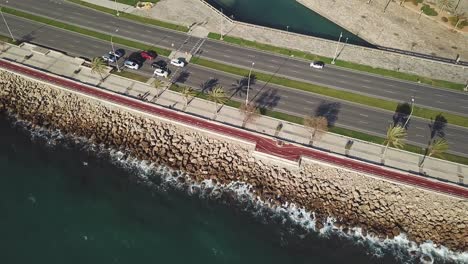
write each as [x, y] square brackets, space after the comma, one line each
[180, 62]
[161, 72]
[317, 64]
[131, 65]
[159, 64]
[149, 55]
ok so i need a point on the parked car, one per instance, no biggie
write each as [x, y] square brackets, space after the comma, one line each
[109, 58]
[119, 53]
[180, 62]
[149, 55]
[317, 64]
[161, 73]
[131, 64]
[159, 64]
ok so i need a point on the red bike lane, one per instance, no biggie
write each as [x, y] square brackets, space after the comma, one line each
[263, 144]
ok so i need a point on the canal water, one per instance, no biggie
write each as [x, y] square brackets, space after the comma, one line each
[284, 15]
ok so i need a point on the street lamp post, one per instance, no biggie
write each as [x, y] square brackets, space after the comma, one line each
[248, 85]
[113, 50]
[115, 6]
[407, 120]
[337, 45]
[287, 28]
[4, 20]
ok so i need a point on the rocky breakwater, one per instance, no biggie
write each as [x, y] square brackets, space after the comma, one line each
[382, 208]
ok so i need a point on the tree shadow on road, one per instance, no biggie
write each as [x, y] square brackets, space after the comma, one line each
[208, 85]
[401, 114]
[241, 85]
[267, 100]
[437, 126]
[329, 110]
[182, 77]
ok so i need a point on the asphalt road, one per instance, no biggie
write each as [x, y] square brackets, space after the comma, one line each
[340, 113]
[339, 78]
[263, 144]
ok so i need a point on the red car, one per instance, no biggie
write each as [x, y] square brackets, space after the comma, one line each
[149, 55]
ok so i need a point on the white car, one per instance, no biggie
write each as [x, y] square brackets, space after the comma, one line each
[161, 73]
[131, 65]
[317, 64]
[178, 62]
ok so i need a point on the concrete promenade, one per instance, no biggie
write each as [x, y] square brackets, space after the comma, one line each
[264, 143]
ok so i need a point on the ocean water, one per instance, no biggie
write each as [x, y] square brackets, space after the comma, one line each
[285, 15]
[64, 201]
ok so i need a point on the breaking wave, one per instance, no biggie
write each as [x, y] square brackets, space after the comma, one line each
[295, 220]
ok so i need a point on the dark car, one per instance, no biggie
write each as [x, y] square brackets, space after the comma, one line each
[159, 64]
[118, 53]
[149, 55]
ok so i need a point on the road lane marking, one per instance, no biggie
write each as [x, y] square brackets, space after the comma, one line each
[366, 80]
[364, 122]
[227, 56]
[440, 102]
[422, 128]
[363, 115]
[439, 95]
[419, 135]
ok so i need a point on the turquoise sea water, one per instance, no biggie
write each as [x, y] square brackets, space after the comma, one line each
[63, 203]
[280, 14]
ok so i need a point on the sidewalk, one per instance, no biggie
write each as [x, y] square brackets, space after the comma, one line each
[73, 68]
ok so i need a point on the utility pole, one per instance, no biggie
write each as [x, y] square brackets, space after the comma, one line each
[221, 25]
[116, 9]
[248, 85]
[113, 50]
[336, 50]
[407, 120]
[4, 20]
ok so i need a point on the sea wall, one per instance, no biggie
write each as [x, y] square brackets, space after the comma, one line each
[354, 199]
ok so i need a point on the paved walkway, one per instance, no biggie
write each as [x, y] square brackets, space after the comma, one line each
[263, 144]
[58, 63]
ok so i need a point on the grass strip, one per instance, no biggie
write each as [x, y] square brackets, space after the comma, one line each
[134, 2]
[137, 18]
[345, 64]
[337, 130]
[338, 94]
[84, 31]
[131, 75]
[8, 40]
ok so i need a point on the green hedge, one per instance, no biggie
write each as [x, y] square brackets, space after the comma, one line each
[428, 10]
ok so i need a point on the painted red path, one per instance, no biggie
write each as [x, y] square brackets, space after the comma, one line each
[263, 144]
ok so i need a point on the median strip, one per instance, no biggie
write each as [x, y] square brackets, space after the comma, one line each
[344, 64]
[338, 94]
[136, 18]
[84, 31]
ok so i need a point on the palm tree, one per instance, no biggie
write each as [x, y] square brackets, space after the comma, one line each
[188, 94]
[250, 112]
[458, 17]
[218, 96]
[436, 147]
[316, 125]
[395, 138]
[157, 85]
[98, 66]
[445, 4]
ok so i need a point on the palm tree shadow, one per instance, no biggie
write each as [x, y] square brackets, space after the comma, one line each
[182, 77]
[329, 110]
[283, 63]
[437, 126]
[208, 85]
[240, 86]
[267, 100]
[401, 115]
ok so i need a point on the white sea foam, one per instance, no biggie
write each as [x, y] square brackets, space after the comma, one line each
[163, 178]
